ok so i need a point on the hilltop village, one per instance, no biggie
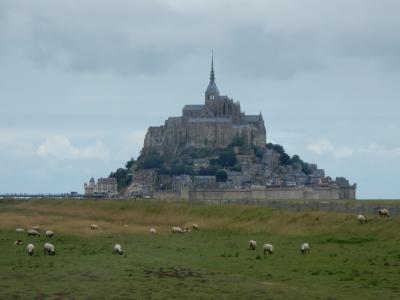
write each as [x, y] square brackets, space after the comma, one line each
[216, 151]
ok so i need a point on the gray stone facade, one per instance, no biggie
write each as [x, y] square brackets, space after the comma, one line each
[212, 124]
[103, 187]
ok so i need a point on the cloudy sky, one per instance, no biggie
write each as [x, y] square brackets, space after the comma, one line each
[81, 81]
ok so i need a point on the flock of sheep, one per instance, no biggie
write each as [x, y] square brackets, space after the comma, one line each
[268, 248]
[48, 248]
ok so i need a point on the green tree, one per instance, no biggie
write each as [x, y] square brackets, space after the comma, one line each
[152, 161]
[129, 163]
[123, 178]
[221, 176]
[238, 141]
[227, 158]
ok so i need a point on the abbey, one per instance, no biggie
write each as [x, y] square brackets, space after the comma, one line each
[212, 124]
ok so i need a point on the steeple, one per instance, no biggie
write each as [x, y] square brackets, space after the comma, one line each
[212, 90]
[212, 76]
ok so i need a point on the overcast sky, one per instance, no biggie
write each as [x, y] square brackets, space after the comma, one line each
[81, 81]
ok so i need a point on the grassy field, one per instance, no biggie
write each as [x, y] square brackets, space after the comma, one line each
[347, 261]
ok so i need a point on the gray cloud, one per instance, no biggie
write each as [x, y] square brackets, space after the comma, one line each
[269, 38]
[106, 70]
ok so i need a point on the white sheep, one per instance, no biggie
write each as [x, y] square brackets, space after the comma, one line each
[37, 228]
[32, 232]
[195, 227]
[176, 229]
[30, 249]
[19, 229]
[268, 248]
[153, 230]
[361, 219]
[18, 242]
[384, 212]
[305, 248]
[94, 227]
[49, 249]
[118, 249]
[252, 245]
[49, 233]
[187, 230]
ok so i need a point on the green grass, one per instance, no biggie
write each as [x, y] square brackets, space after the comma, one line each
[347, 261]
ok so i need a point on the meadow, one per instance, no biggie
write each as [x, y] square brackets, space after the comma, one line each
[347, 261]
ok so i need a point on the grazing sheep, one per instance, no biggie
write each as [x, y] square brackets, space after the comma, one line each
[18, 242]
[118, 249]
[252, 245]
[176, 229]
[361, 219]
[32, 232]
[49, 249]
[305, 248]
[195, 227]
[187, 230]
[49, 233]
[94, 227]
[268, 248]
[153, 230]
[19, 229]
[37, 228]
[384, 212]
[30, 249]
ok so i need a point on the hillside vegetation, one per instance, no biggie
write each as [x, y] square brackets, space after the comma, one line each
[347, 261]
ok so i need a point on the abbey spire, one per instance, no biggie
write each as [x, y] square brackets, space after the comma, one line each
[212, 90]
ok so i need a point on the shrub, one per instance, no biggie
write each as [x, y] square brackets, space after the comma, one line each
[221, 176]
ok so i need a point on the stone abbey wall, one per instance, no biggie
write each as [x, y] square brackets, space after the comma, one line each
[261, 194]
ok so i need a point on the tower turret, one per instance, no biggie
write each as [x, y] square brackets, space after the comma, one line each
[212, 89]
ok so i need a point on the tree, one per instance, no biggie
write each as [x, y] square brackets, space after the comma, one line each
[210, 171]
[285, 159]
[221, 176]
[151, 162]
[227, 158]
[180, 169]
[130, 163]
[123, 178]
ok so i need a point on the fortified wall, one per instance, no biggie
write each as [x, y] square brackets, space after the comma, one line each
[260, 194]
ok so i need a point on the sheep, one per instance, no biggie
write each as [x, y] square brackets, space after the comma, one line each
[268, 248]
[37, 228]
[32, 232]
[252, 245]
[30, 249]
[305, 248]
[49, 249]
[153, 231]
[361, 219]
[18, 242]
[187, 230]
[49, 233]
[94, 227]
[176, 229]
[384, 212]
[118, 249]
[195, 227]
[19, 229]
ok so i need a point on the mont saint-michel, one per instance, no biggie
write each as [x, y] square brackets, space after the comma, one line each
[215, 151]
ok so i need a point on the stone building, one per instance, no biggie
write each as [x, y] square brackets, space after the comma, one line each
[205, 182]
[180, 182]
[103, 187]
[212, 124]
